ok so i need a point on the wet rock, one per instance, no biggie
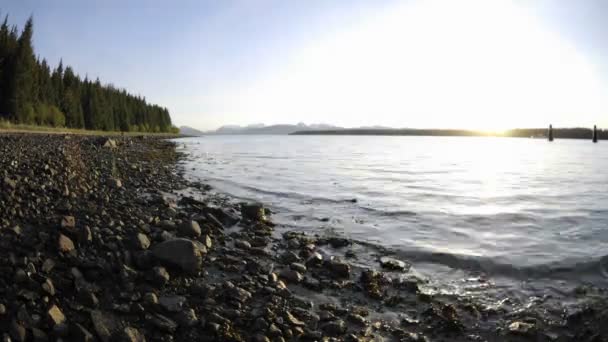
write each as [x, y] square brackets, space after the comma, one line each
[357, 319]
[291, 276]
[190, 229]
[339, 269]
[47, 266]
[372, 283]
[334, 328]
[293, 320]
[2, 309]
[242, 244]
[181, 253]
[337, 242]
[315, 259]
[253, 212]
[65, 244]
[298, 267]
[394, 264]
[289, 257]
[521, 328]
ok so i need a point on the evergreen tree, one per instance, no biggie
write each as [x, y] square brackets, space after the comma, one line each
[31, 92]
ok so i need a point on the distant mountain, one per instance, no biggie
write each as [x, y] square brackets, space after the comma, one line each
[185, 130]
[272, 129]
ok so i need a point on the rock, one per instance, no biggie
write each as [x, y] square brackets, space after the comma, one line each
[339, 269]
[293, 320]
[16, 230]
[357, 319]
[105, 325]
[162, 323]
[2, 310]
[207, 241]
[114, 183]
[109, 143]
[150, 298]
[291, 276]
[129, 334]
[315, 259]
[187, 318]
[68, 223]
[81, 334]
[298, 267]
[160, 275]
[48, 287]
[254, 212]
[181, 253]
[39, 335]
[289, 257]
[190, 229]
[334, 328]
[55, 315]
[394, 264]
[48, 265]
[141, 241]
[172, 303]
[242, 244]
[65, 244]
[18, 332]
[521, 328]
[337, 242]
[11, 184]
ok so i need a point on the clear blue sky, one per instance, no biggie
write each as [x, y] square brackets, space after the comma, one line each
[474, 63]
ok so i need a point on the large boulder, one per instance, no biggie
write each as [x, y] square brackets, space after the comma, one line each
[182, 253]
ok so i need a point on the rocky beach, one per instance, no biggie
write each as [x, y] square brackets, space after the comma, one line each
[103, 239]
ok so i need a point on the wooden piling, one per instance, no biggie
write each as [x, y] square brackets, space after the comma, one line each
[550, 133]
[595, 133]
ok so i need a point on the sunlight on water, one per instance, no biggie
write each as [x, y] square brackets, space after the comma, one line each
[518, 202]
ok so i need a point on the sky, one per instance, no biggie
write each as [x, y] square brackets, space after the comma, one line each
[475, 64]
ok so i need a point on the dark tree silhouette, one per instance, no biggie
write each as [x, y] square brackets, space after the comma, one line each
[33, 93]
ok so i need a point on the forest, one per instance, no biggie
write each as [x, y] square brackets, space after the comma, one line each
[34, 93]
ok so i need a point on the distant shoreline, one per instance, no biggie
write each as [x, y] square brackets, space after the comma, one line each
[541, 133]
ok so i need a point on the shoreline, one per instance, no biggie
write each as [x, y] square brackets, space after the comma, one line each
[108, 241]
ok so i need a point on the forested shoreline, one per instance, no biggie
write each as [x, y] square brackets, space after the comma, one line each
[34, 93]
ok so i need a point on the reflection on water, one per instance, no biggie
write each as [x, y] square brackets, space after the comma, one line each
[509, 203]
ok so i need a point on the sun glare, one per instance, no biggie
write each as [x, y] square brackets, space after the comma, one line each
[483, 65]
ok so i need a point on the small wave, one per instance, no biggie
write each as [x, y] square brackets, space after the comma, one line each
[567, 269]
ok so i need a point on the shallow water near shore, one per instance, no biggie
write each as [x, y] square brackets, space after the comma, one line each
[524, 210]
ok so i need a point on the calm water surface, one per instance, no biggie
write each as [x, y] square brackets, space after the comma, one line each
[501, 205]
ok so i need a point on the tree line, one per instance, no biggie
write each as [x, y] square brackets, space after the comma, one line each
[31, 92]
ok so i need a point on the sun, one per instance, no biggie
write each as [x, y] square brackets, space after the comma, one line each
[471, 64]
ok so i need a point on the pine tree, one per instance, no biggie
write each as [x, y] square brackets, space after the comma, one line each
[30, 92]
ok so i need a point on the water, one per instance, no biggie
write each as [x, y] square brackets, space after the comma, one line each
[506, 207]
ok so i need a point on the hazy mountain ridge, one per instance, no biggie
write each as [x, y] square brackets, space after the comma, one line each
[280, 129]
